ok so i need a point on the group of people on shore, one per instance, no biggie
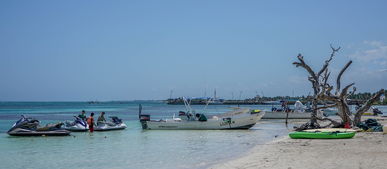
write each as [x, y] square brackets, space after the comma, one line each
[90, 119]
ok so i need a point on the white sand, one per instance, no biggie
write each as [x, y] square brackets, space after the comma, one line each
[365, 150]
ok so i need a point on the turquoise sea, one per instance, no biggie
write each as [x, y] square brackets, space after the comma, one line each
[130, 148]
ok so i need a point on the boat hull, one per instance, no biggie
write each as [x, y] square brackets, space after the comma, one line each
[110, 128]
[331, 130]
[282, 115]
[76, 128]
[244, 120]
[24, 132]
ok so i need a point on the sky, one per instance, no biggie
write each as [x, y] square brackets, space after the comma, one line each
[136, 50]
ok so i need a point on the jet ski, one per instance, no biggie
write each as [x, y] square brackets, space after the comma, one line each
[30, 127]
[114, 124]
[77, 125]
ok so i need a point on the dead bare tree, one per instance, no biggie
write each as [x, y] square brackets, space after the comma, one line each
[366, 106]
[323, 93]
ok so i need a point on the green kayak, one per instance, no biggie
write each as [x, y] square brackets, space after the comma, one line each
[321, 135]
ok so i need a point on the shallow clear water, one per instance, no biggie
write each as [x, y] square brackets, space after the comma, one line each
[130, 148]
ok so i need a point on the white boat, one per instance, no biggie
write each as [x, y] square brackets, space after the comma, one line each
[237, 119]
[329, 111]
[299, 112]
[282, 115]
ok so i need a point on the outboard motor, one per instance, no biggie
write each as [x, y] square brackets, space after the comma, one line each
[143, 119]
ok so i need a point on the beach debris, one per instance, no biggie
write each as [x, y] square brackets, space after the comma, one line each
[371, 125]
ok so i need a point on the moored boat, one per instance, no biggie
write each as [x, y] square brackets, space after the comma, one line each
[299, 112]
[239, 118]
[284, 115]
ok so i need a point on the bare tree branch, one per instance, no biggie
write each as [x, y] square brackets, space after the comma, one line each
[326, 76]
[339, 76]
[328, 106]
[352, 92]
[345, 90]
[325, 66]
[305, 66]
[335, 123]
[366, 106]
[325, 97]
[329, 88]
[369, 103]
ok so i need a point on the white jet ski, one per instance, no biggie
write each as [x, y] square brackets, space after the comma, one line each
[30, 127]
[114, 124]
[77, 125]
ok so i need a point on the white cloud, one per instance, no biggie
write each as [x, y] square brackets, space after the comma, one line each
[369, 71]
[375, 51]
[373, 43]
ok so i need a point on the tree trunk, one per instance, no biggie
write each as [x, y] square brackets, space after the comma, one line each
[313, 119]
[357, 119]
[344, 112]
[366, 106]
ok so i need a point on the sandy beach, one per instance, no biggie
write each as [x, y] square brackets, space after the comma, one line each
[365, 150]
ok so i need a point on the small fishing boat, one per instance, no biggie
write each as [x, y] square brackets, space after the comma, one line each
[321, 135]
[239, 118]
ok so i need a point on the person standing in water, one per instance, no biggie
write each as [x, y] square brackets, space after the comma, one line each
[90, 121]
[83, 115]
